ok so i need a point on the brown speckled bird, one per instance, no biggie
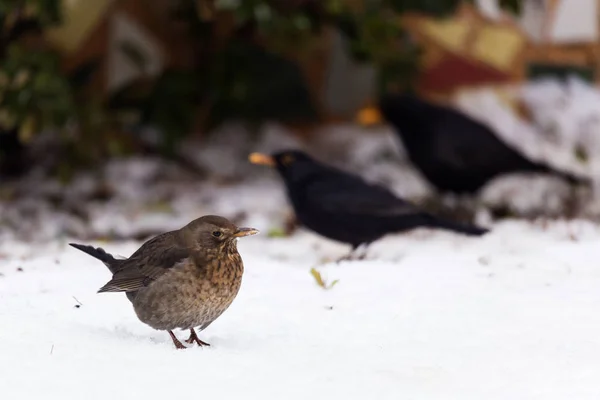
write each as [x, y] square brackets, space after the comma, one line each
[181, 279]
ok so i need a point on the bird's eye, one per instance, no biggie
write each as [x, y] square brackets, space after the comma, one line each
[217, 234]
[287, 159]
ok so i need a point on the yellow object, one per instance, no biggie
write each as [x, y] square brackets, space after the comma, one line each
[369, 116]
[498, 46]
[80, 17]
[320, 281]
[450, 33]
[261, 159]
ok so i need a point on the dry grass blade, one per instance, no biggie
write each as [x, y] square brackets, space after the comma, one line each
[320, 281]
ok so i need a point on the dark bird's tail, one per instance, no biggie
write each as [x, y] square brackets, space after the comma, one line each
[98, 253]
[465, 229]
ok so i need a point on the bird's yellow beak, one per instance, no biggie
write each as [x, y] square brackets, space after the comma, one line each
[241, 232]
[261, 159]
[368, 116]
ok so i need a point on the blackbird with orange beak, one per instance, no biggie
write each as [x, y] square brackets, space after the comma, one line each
[344, 207]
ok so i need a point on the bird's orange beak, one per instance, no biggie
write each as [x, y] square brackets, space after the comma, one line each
[241, 232]
[369, 116]
[261, 159]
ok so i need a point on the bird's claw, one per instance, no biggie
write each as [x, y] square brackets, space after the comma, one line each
[195, 339]
[179, 346]
[354, 255]
[176, 342]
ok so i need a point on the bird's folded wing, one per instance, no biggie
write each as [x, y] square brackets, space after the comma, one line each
[356, 197]
[462, 143]
[126, 284]
[141, 270]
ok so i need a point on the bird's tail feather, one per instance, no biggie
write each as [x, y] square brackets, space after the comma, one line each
[98, 253]
[465, 229]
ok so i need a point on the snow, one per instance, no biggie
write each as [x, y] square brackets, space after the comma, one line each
[429, 315]
[564, 116]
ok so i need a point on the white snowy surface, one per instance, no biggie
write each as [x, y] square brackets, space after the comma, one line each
[430, 315]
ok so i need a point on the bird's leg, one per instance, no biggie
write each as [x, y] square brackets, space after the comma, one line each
[365, 247]
[352, 255]
[194, 338]
[347, 257]
[176, 341]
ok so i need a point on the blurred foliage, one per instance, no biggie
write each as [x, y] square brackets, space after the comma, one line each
[34, 91]
[267, 87]
[246, 66]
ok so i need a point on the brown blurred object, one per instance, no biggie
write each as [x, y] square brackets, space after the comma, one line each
[85, 39]
[469, 50]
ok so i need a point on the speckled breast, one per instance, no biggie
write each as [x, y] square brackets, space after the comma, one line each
[187, 297]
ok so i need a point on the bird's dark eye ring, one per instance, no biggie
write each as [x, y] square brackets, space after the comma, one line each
[217, 234]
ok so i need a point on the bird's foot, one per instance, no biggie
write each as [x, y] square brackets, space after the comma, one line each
[179, 345]
[354, 255]
[347, 257]
[176, 341]
[195, 339]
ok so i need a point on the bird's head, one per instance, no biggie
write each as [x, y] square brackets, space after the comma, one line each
[292, 165]
[214, 232]
[398, 106]
[404, 111]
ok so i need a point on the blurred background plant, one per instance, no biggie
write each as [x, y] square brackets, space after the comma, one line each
[246, 59]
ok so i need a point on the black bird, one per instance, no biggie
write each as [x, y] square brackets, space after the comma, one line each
[344, 207]
[454, 152]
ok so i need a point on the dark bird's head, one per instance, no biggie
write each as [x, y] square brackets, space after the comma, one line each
[399, 109]
[406, 112]
[214, 232]
[293, 165]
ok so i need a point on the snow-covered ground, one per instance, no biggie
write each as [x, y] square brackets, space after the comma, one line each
[430, 315]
